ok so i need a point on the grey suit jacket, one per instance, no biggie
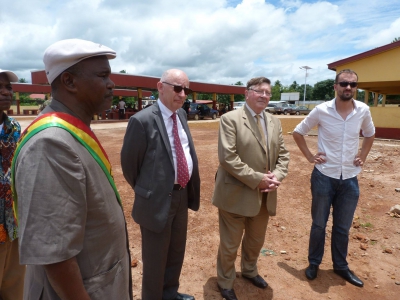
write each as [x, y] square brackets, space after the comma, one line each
[147, 164]
[243, 161]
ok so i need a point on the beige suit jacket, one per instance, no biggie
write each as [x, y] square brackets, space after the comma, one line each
[243, 161]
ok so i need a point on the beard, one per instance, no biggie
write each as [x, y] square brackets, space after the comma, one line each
[346, 96]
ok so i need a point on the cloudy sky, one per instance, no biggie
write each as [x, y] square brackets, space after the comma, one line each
[218, 41]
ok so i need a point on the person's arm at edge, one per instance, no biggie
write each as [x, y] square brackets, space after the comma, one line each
[365, 148]
[318, 158]
[66, 279]
[302, 144]
[133, 150]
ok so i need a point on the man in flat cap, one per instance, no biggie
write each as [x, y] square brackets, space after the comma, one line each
[11, 272]
[73, 234]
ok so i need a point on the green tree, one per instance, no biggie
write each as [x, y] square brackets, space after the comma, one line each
[323, 90]
[309, 92]
[360, 95]
[396, 39]
[123, 71]
[226, 99]
[223, 98]
[294, 87]
[204, 96]
[22, 80]
[276, 90]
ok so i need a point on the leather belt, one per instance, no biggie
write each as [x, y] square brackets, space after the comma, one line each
[178, 187]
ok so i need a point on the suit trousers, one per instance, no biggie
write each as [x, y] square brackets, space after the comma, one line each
[163, 252]
[231, 228]
[11, 272]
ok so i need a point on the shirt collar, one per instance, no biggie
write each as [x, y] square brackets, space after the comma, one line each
[332, 103]
[165, 111]
[253, 113]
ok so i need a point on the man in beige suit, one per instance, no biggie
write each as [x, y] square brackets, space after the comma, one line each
[253, 161]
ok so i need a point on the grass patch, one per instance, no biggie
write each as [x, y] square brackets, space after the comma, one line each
[366, 225]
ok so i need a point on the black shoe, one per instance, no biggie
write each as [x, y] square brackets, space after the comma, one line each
[227, 294]
[350, 277]
[311, 272]
[258, 281]
[180, 296]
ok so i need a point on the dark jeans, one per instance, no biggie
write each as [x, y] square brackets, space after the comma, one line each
[343, 196]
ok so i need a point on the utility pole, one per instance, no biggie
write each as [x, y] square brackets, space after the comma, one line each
[305, 82]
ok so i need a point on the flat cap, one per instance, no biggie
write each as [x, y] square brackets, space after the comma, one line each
[64, 54]
[11, 75]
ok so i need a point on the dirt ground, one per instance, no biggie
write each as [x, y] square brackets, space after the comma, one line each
[373, 229]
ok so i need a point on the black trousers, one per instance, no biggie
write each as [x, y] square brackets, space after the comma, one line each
[121, 114]
[163, 253]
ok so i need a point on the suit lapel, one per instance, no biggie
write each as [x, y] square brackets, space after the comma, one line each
[183, 118]
[158, 118]
[270, 127]
[251, 124]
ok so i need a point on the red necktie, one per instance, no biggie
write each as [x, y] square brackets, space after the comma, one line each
[181, 163]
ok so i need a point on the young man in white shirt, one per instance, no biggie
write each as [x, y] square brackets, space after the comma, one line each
[337, 163]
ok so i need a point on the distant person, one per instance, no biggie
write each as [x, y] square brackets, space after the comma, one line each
[334, 178]
[11, 272]
[121, 106]
[186, 106]
[223, 109]
[159, 161]
[253, 161]
[73, 234]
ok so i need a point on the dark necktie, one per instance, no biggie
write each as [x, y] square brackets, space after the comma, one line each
[181, 163]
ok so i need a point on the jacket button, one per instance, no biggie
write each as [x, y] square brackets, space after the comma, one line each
[170, 194]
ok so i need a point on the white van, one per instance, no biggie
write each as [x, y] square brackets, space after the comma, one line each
[239, 104]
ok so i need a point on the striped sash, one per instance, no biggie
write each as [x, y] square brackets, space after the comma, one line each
[80, 131]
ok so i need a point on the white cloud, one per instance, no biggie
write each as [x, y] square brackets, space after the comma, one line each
[220, 41]
[384, 36]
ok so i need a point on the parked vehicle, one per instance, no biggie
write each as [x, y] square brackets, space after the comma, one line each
[302, 110]
[287, 109]
[201, 111]
[273, 109]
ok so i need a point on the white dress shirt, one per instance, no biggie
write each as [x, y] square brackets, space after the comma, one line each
[338, 138]
[166, 114]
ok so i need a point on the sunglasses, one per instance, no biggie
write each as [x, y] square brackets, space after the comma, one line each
[178, 88]
[346, 83]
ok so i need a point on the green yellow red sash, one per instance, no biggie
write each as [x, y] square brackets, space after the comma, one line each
[80, 131]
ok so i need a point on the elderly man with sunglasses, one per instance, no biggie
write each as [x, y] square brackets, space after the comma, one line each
[159, 161]
[334, 178]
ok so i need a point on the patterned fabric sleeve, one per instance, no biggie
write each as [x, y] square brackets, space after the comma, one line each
[10, 133]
